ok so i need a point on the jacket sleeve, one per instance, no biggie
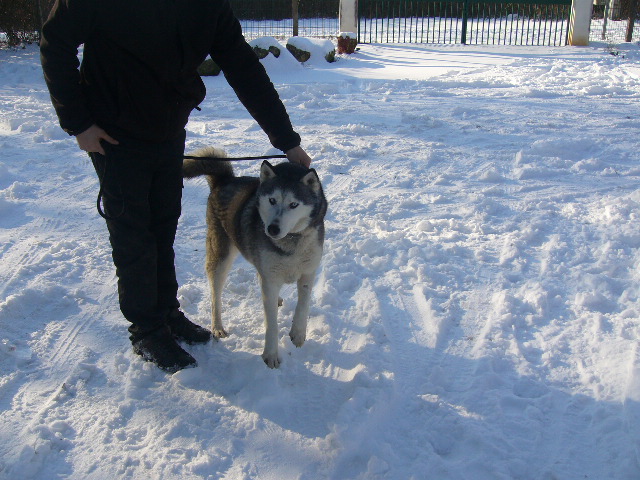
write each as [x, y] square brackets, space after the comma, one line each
[250, 81]
[64, 31]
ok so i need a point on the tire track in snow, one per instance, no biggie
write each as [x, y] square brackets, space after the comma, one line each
[62, 350]
[17, 259]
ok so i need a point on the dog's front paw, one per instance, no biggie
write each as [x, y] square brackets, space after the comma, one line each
[297, 338]
[272, 360]
[220, 333]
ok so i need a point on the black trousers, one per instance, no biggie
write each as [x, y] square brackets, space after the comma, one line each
[141, 196]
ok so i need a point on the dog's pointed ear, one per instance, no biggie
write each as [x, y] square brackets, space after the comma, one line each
[311, 180]
[266, 172]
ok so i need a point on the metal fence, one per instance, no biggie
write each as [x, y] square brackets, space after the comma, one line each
[528, 22]
[544, 22]
[284, 18]
[615, 21]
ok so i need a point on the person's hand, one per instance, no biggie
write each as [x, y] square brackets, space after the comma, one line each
[299, 156]
[90, 139]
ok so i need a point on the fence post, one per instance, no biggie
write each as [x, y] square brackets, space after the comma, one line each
[39, 18]
[633, 8]
[580, 22]
[294, 16]
[605, 20]
[349, 16]
[465, 21]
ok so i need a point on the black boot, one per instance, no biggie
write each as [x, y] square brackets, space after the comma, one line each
[161, 348]
[185, 330]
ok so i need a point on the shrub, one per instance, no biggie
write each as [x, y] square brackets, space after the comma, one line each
[305, 48]
[299, 54]
[265, 45]
[208, 68]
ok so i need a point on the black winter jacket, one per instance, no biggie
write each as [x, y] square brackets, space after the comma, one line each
[138, 75]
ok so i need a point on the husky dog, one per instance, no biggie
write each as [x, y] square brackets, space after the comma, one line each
[276, 222]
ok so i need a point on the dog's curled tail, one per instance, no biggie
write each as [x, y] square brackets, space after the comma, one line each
[216, 170]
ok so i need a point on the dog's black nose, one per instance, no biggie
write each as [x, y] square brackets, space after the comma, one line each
[273, 230]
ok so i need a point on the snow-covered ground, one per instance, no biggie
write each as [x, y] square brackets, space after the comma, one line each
[477, 314]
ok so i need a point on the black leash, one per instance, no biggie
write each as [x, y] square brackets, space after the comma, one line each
[101, 180]
[233, 159]
[104, 215]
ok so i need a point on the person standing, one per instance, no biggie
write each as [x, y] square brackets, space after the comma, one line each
[127, 104]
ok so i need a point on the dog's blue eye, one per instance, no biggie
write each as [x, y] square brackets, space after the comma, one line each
[293, 205]
[272, 201]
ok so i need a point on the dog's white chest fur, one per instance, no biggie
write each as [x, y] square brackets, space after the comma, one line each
[305, 259]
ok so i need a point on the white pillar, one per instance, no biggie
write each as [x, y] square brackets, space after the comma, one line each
[349, 16]
[580, 22]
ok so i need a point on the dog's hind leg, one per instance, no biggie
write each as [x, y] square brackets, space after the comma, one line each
[220, 256]
[298, 333]
[270, 292]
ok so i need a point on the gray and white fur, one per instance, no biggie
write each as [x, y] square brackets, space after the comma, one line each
[276, 222]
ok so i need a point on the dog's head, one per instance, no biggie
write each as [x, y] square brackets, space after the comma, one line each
[290, 199]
